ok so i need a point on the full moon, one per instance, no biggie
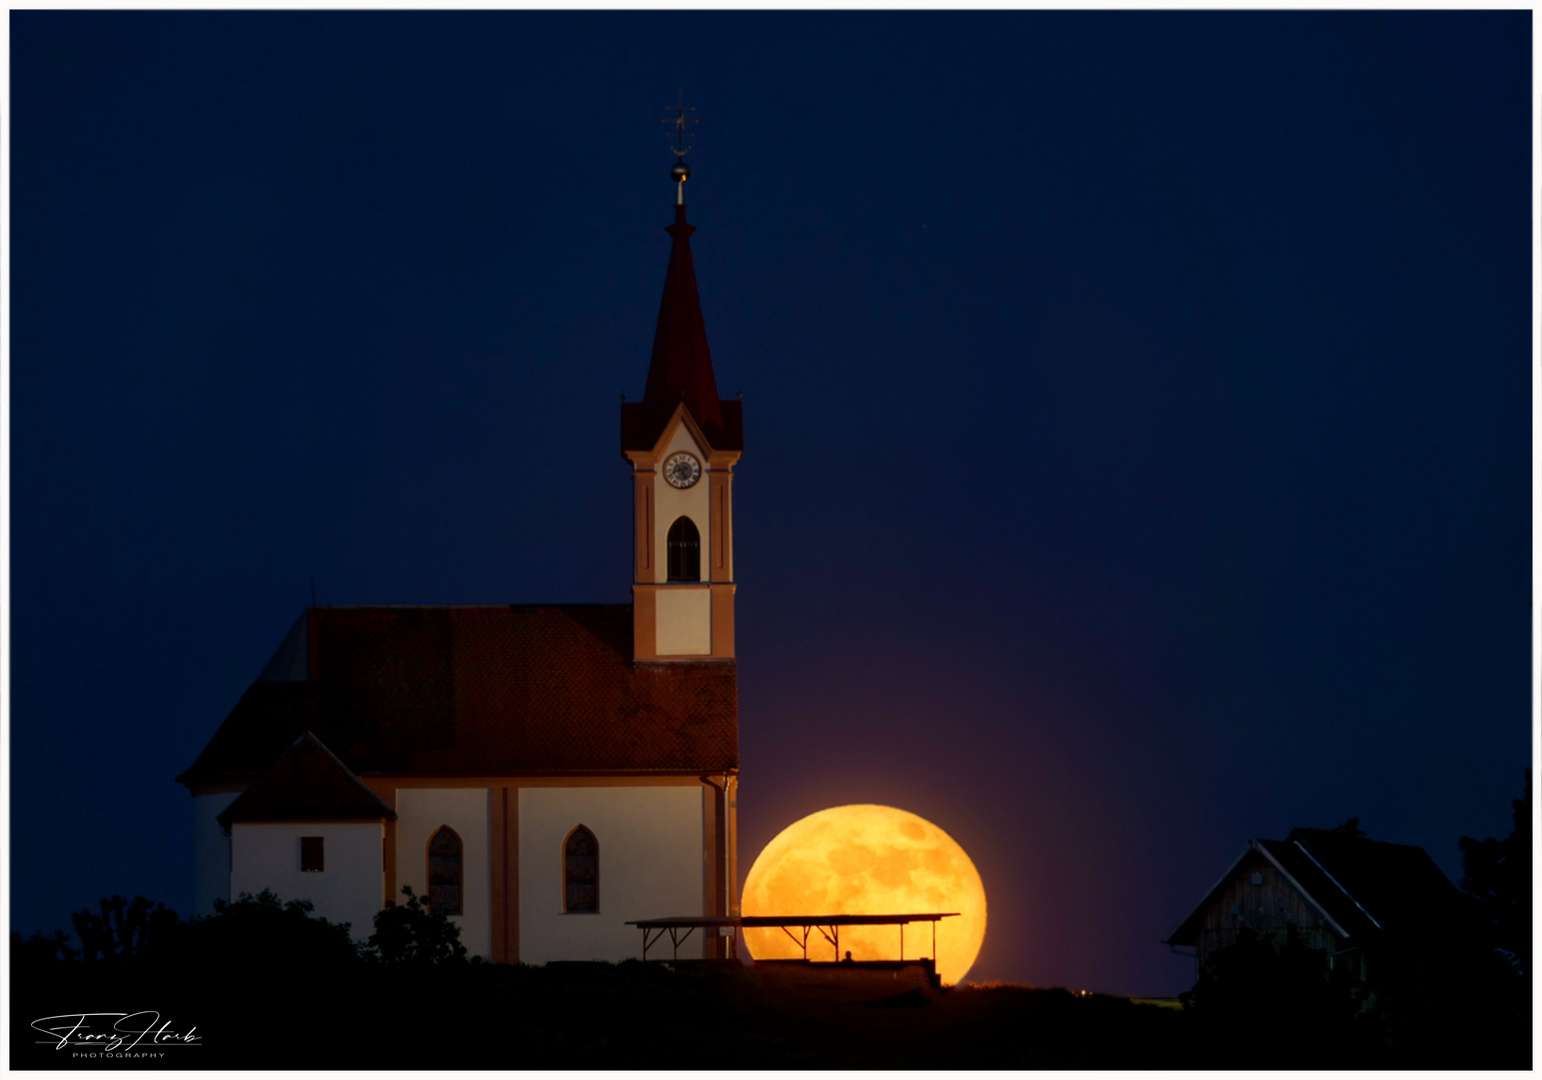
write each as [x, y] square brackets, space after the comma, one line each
[868, 860]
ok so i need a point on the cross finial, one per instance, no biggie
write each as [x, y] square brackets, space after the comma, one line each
[682, 121]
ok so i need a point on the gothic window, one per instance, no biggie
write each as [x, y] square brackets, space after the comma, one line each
[581, 872]
[684, 551]
[445, 872]
[312, 854]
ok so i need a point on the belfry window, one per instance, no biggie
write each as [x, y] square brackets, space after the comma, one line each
[684, 551]
[446, 872]
[580, 872]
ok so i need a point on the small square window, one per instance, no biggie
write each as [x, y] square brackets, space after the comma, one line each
[312, 857]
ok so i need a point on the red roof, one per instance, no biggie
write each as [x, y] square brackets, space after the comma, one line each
[480, 691]
[681, 369]
[308, 783]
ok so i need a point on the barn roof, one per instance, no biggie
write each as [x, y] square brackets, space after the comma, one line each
[478, 691]
[1363, 888]
[1397, 887]
[307, 783]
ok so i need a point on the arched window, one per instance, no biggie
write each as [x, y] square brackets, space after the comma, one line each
[445, 872]
[684, 551]
[580, 872]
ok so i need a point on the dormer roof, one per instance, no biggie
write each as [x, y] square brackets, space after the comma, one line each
[307, 783]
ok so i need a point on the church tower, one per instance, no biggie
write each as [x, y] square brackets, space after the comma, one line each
[682, 442]
[432, 747]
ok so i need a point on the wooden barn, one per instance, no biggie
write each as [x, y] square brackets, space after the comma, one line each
[1375, 906]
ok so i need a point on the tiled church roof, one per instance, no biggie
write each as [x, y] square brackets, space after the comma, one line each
[308, 783]
[478, 691]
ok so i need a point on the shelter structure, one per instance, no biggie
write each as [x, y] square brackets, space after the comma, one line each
[541, 773]
[1368, 904]
[680, 927]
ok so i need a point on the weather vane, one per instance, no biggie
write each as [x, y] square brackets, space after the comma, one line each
[681, 171]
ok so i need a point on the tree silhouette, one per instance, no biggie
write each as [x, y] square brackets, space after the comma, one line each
[1498, 876]
[124, 929]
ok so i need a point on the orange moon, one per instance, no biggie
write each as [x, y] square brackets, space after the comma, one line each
[868, 860]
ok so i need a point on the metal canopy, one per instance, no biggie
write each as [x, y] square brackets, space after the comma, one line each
[829, 927]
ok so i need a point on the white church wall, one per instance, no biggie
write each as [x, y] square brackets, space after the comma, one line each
[650, 866]
[671, 502]
[211, 851]
[419, 814]
[684, 622]
[347, 889]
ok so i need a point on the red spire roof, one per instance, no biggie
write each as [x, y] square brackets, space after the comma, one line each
[682, 365]
[681, 369]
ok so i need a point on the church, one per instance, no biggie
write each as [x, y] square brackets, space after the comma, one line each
[542, 773]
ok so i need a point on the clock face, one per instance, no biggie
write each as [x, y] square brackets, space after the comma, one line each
[682, 470]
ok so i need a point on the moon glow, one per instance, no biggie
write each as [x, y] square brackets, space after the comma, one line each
[867, 860]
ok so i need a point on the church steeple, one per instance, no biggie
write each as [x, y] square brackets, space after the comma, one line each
[681, 369]
[682, 441]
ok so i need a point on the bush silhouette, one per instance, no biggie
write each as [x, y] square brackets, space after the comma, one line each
[40, 951]
[412, 933]
[263, 931]
[1250, 991]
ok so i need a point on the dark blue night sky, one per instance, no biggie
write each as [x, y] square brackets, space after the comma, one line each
[1137, 410]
